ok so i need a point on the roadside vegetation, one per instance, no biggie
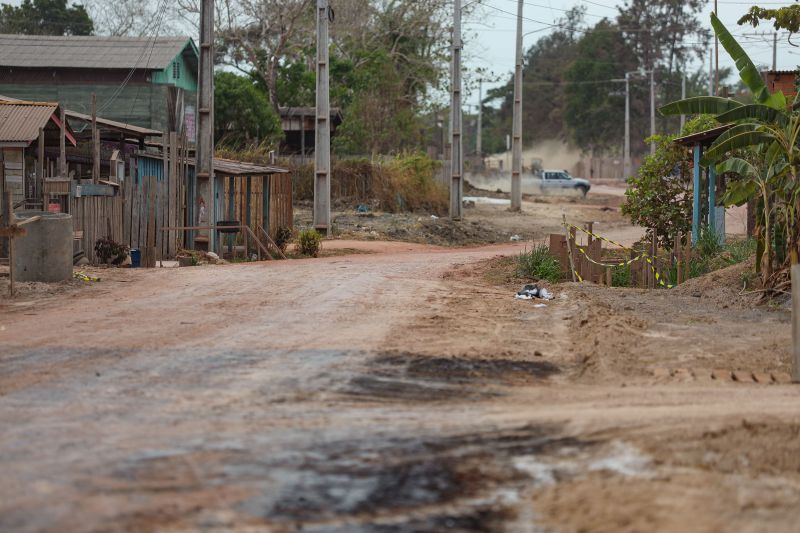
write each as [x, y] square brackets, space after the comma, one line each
[760, 157]
[539, 264]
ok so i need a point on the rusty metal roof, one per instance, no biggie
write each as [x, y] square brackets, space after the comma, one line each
[20, 122]
[230, 167]
[104, 123]
[70, 51]
[703, 136]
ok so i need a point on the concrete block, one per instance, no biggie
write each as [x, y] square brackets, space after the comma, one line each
[721, 374]
[743, 376]
[762, 377]
[782, 377]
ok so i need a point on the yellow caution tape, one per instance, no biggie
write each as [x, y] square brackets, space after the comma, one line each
[623, 263]
[643, 256]
[84, 277]
[599, 237]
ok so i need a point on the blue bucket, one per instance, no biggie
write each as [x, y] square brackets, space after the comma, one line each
[136, 258]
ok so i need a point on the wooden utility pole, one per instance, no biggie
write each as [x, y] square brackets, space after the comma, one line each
[683, 95]
[626, 156]
[516, 129]
[795, 276]
[775, 51]
[479, 133]
[204, 169]
[62, 145]
[40, 169]
[456, 160]
[95, 142]
[652, 108]
[716, 57]
[322, 139]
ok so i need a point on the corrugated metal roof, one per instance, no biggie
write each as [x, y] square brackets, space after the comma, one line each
[239, 168]
[44, 51]
[105, 123]
[227, 167]
[699, 137]
[20, 122]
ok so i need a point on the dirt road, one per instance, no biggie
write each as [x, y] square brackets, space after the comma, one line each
[401, 390]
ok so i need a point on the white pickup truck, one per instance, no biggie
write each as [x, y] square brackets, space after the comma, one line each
[555, 182]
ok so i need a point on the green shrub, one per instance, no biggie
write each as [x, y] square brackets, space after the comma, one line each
[110, 251]
[621, 276]
[309, 242]
[539, 264]
[282, 237]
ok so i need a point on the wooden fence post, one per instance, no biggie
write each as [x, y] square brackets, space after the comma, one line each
[795, 276]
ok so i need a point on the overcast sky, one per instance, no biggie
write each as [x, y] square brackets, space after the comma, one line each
[493, 37]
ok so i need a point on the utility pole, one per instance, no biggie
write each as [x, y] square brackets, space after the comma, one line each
[626, 161]
[775, 51]
[456, 161]
[711, 73]
[516, 130]
[322, 142]
[204, 171]
[683, 95]
[652, 109]
[479, 135]
[716, 56]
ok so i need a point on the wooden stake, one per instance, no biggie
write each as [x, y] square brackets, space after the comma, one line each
[95, 142]
[62, 145]
[796, 323]
[40, 168]
[570, 241]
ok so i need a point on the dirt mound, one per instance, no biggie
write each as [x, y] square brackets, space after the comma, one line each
[726, 287]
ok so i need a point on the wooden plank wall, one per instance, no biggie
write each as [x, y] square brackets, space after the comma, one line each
[280, 201]
[155, 202]
[92, 216]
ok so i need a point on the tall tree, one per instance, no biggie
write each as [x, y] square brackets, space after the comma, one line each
[594, 104]
[45, 17]
[663, 33]
[242, 112]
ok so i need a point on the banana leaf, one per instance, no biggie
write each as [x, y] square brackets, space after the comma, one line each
[747, 70]
[738, 166]
[739, 192]
[742, 140]
[758, 112]
[712, 105]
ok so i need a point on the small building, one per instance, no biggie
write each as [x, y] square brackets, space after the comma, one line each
[26, 130]
[145, 82]
[298, 125]
[782, 80]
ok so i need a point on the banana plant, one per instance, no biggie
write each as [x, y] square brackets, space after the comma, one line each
[752, 180]
[770, 129]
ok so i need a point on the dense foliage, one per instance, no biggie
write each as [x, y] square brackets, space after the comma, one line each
[45, 17]
[659, 196]
[242, 113]
[760, 155]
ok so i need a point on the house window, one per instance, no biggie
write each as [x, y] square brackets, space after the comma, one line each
[176, 70]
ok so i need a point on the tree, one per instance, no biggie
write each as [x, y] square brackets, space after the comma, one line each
[659, 197]
[130, 17]
[544, 66]
[657, 31]
[45, 17]
[783, 18]
[595, 105]
[771, 131]
[242, 112]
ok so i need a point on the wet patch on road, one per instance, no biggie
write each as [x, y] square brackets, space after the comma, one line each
[413, 377]
[465, 482]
